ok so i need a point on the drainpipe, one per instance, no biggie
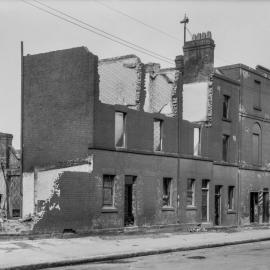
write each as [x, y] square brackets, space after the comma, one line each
[239, 150]
[22, 111]
[179, 62]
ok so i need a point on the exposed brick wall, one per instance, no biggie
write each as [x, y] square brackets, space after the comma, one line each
[58, 104]
[198, 59]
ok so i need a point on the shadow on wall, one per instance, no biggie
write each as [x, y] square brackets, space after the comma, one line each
[69, 208]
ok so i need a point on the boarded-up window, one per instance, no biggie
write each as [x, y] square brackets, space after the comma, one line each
[231, 197]
[257, 94]
[120, 129]
[158, 135]
[108, 190]
[191, 192]
[167, 182]
[225, 147]
[197, 141]
[225, 109]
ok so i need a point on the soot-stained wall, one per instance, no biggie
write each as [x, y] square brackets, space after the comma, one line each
[58, 98]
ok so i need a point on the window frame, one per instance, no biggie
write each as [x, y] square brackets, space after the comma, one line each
[199, 142]
[231, 199]
[160, 121]
[225, 152]
[257, 95]
[112, 188]
[191, 191]
[226, 102]
[124, 145]
[169, 187]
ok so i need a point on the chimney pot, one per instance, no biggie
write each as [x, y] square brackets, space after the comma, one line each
[209, 34]
[203, 35]
[198, 36]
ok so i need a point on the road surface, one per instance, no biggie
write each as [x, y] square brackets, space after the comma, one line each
[247, 256]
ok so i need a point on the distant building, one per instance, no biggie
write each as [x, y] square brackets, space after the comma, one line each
[116, 143]
[10, 179]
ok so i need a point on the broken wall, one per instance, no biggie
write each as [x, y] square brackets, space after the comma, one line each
[122, 81]
[162, 89]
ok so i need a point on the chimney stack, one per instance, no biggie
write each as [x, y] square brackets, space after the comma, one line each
[198, 58]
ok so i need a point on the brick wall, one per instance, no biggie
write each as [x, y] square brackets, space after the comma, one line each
[58, 106]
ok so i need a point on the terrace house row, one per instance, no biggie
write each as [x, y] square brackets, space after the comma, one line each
[114, 143]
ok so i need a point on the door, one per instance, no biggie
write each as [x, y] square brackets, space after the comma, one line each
[265, 207]
[205, 200]
[254, 207]
[218, 205]
[129, 198]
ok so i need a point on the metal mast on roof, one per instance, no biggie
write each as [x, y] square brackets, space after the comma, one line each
[185, 21]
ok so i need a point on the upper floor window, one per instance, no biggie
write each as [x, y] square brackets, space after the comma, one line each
[108, 190]
[225, 107]
[256, 144]
[158, 134]
[257, 95]
[225, 147]
[120, 129]
[197, 141]
[167, 187]
[191, 192]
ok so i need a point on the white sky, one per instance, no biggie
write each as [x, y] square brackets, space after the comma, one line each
[240, 30]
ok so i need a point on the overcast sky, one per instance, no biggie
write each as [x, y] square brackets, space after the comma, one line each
[240, 30]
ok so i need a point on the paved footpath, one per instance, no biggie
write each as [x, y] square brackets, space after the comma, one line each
[42, 253]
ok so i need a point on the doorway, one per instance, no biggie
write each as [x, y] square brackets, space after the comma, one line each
[218, 205]
[129, 200]
[254, 207]
[265, 217]
[205, 200]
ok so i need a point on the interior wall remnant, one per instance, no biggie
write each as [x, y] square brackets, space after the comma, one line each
[39, 186]
[195, 101]
[160, 90]
[121, 81]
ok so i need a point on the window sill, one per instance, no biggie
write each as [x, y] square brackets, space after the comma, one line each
[226, 119]
[167, 208]
[120, 148]
[191, 208]
[256, 108]
[231, 211]
[108, 209]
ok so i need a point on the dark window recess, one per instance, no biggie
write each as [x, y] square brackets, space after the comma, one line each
[225, 147]
[255, 148]
[0, 199]
[108, 190]
[167, 191]
[225, 110]
[40, 205]
[16, 213]
[190, 192]
[231, 197]
[257, 95]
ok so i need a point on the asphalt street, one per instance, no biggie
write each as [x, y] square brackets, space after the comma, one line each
[246, 256]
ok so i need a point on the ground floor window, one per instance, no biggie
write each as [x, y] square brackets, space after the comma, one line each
[190, 192]
[231, 197]
[167, 183]
[108, 190]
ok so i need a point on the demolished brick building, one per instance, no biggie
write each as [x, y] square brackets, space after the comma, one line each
[116, 143]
